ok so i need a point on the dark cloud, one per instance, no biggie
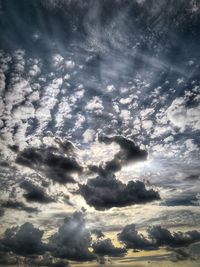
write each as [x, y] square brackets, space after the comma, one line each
[128, 150]
[180, 254]
[157, 237]
[17, 205]
[57, 167]
[60, 264]
[24, 240]
[14, 148]
[132, 239]
[46, 260]
[105, 247]
[190, 200]
[7, 259]
[1, 212]
[162, 236]
[97, 233]
[105, 192]
[35, 193]
[192, 177]
[72, 241]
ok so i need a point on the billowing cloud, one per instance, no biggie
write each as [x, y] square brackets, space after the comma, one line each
[132, 239]
[156, 237]
[162, 236]
[105, 192]
[72, 241]
[105, 247]
[24, 240]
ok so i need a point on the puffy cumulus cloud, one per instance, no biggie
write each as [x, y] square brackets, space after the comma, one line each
[162, 236]
[17, 205]
[35, 193]
[73, 240]
[156, 238]
[105, 192]
[24, 240]
[132, 239]
[105, 247]
[182, 116]
[51, 161]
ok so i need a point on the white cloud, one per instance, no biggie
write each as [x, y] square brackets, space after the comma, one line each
[110, 88]
[57, 60]
[88, 136]
[95, 104]
[147, 124]
[127, 100]
[125, 115]
[24, 112]
[181, 116]
[70, 64]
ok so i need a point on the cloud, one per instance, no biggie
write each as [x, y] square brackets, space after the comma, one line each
[97, 233]
[72, 240]
[105, 192]
[1, 212]
[128, 150]
[10, 204]
[46, 260]
[182, 116]
[55, 166]
[34, 193]
[105, 247]
[162, 236]
[180, 254]
[185, 253]
[157, 237]
[24, 240]
[132, 239]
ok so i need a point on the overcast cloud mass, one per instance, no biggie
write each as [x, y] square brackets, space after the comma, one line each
[99, 133]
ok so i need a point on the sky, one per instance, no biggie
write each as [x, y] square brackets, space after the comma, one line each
[99, 133]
